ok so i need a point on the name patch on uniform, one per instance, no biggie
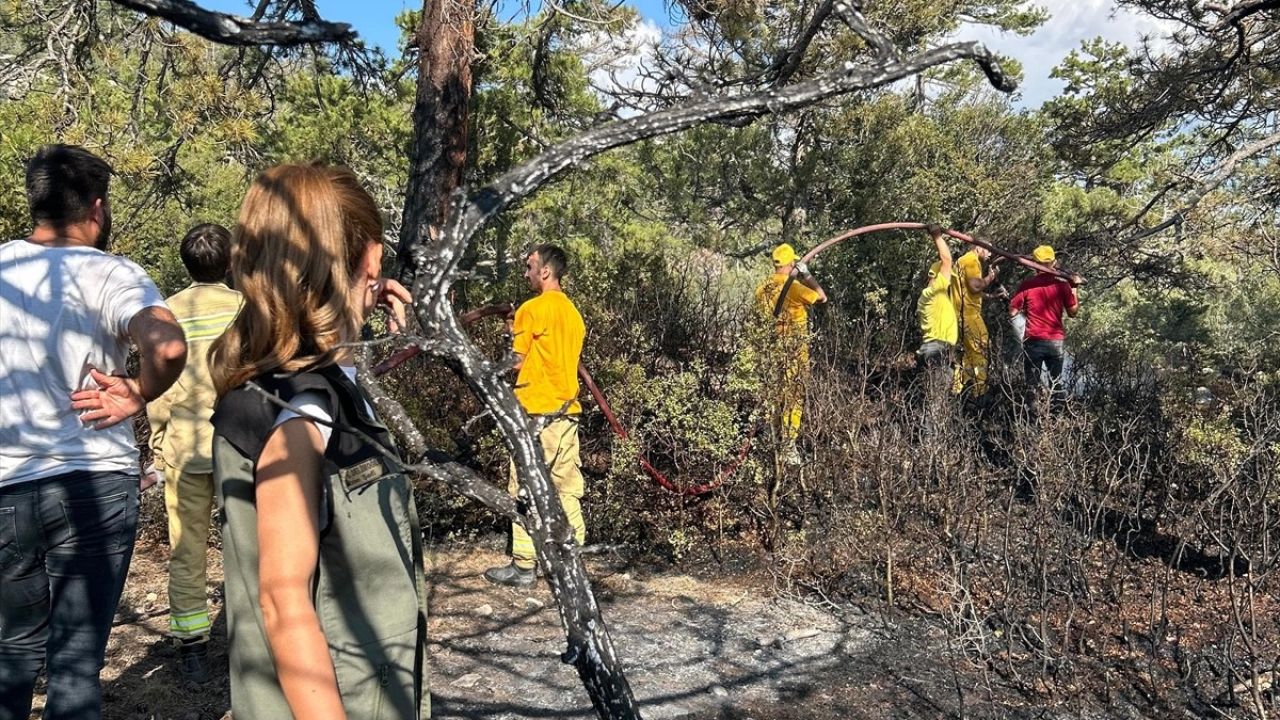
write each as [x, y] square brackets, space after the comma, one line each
[361, 474]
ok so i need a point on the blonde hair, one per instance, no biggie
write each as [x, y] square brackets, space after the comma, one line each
[302, 232]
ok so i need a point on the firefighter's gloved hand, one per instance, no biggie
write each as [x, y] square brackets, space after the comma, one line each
[802, 270]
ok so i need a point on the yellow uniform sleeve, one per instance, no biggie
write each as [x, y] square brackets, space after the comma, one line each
[523, 329]
[968, 268]
[802, 294]
[939, 284]
[158, 419]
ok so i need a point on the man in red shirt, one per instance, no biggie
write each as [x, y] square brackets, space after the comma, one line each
[1043, 298]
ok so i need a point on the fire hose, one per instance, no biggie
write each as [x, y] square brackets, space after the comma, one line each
[505, 309]
[976, 242]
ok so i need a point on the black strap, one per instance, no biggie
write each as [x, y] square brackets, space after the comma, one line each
[245, 418]
[782, 296]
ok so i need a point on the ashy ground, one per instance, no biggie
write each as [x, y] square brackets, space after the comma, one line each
[710, 646]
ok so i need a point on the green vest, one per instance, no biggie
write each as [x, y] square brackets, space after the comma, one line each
[370, 588]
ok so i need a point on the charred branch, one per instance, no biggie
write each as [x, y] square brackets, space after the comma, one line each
[786, 66]
[523, 180]
[1235, 14]
[434, 464]
[1225, 169]
[230, 29]
[849, 14]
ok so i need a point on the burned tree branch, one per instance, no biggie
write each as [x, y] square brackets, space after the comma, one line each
[1234, 14]
[788, 64]
[431, 463]
[230, 29]
[1221, 173]
[461, 478]
[526, 178]
[856, 22]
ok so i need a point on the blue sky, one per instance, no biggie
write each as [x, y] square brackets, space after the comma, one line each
[375, 19]
[1071, 22]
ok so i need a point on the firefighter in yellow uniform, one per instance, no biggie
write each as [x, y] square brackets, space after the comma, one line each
[967, 290]
[790, 313]
[182, 440]
[548, 333]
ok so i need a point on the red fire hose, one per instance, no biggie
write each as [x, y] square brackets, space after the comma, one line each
[1020, 259]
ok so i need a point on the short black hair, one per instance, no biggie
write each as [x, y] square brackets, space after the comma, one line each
[554, 257]
[206, 252]
[63, 182]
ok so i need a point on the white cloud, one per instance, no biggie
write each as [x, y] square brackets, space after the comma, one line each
[615, 61]
[1070, 22]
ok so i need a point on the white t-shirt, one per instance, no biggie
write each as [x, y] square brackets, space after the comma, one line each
[63, 310]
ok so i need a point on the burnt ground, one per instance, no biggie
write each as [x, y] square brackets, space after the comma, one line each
[697, 645]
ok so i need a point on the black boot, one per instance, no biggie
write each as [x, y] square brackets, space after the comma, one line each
[510, 575]
[193, 660]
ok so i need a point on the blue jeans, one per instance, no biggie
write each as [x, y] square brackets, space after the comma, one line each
[65, 546]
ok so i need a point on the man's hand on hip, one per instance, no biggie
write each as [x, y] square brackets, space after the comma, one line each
[115, 400]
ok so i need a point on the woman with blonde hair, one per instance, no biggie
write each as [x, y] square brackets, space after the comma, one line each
[321, 546]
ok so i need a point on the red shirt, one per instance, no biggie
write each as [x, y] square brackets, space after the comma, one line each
[1043, 298]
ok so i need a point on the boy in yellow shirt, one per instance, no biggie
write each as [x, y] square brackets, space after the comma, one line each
[548, 335]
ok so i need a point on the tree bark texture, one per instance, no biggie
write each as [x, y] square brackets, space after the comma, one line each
[442, 110]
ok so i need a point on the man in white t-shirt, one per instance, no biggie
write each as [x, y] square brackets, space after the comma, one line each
[69, 313]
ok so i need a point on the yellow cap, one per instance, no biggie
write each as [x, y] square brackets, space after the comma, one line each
[784, 254]
[1043, 254]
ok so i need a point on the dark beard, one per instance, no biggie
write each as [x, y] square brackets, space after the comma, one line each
[103, 242]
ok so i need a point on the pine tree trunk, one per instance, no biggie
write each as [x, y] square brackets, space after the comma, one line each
[446, 42]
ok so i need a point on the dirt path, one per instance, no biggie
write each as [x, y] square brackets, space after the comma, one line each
[694, 648]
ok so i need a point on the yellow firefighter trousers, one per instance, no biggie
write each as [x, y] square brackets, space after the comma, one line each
[188, 500]
[561, 452]
[975, 344]
[795, 377]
